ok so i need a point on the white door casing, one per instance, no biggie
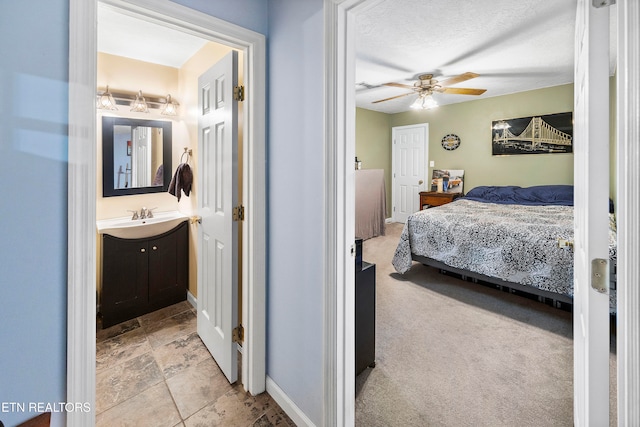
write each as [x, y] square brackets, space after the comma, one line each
[628, 211]
[409, 171]
[591, 223]
[81, 360]
[218, 232]
[340, 140]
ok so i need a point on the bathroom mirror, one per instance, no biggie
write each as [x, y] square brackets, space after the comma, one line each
[136, 156]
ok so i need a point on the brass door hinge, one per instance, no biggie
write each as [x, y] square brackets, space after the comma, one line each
[238, 334]
[238, 93]
[238, 213]
[599, 275]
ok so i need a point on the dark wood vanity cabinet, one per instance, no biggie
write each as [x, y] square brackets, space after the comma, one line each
[143, 275]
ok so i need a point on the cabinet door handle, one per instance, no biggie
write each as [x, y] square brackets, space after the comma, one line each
[143, 250]
[155, 248]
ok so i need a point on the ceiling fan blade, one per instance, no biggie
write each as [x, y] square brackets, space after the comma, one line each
[398, 85]
[461, 91]
[393, 97]
[457, 79]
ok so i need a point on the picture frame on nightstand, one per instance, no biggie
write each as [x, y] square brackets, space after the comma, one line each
[447, 181]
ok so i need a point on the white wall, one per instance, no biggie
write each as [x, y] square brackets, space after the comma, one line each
[295, 202]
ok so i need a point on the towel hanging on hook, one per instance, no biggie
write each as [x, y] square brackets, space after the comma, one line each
[188, 152]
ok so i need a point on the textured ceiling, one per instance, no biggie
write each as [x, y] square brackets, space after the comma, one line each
[515, 45]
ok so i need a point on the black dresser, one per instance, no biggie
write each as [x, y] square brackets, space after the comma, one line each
[365, 297]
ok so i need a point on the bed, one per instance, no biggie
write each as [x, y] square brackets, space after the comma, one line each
[506, 235]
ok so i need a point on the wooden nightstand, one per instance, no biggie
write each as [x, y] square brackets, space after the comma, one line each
[429, 199]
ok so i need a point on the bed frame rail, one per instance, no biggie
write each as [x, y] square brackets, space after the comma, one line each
[558, 300]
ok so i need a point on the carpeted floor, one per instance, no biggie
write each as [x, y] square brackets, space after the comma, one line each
[456, 353]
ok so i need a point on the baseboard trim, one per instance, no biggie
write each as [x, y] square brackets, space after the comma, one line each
[287, 405]
[192, 300]
[388, 220]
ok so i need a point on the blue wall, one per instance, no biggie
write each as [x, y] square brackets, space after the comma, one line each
[296, 206]
[33, 172]
[251, 14]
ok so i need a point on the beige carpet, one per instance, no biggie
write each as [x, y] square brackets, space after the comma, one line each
[456, 353]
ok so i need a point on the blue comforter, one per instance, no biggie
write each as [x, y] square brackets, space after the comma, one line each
[540, 195]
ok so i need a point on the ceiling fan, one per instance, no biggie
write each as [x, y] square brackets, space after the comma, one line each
[426, 85]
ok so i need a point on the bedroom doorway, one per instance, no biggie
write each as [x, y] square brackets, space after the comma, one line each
[410, 153]
[345, 13]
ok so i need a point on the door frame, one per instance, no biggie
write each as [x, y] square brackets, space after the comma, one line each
[628, 211]
[426, 182]
[82, 167]
[339, 383]
[591, 331]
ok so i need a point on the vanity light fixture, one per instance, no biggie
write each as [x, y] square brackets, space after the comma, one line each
[170, 108]
[424, 101]
[139, 105]
[106, 101]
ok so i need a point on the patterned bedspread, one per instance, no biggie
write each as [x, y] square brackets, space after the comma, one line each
[515, 243]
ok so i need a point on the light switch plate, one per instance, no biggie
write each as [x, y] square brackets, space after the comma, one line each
[432, 163]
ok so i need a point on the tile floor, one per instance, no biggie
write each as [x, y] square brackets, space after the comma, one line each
[155, 371]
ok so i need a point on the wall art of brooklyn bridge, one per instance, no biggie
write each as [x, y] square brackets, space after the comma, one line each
[551, 133]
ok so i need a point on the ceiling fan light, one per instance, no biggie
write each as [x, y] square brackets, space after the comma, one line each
[417, 104]
[428, 102]
[424, 102]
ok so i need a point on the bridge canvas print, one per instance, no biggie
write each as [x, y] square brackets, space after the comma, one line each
[551, 133]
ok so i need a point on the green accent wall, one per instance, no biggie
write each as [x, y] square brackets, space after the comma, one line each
[373, 147]
[471, 121]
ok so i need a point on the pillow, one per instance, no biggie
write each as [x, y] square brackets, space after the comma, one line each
[539, 195]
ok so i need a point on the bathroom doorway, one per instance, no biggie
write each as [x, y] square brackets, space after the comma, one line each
[81, 370]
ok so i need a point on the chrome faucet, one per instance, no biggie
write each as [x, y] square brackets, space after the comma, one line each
[146, 213]
[135, 215]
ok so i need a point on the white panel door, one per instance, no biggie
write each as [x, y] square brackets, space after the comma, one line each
[591, 180]
[141, 156]
[218, 194]
[409, 169]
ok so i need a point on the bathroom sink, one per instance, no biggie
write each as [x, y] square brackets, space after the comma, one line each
[127, 228]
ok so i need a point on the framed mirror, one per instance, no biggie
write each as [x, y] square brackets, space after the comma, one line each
[136, 156]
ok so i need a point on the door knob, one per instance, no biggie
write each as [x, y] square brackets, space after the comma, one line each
[420, 182]
[196, 219]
